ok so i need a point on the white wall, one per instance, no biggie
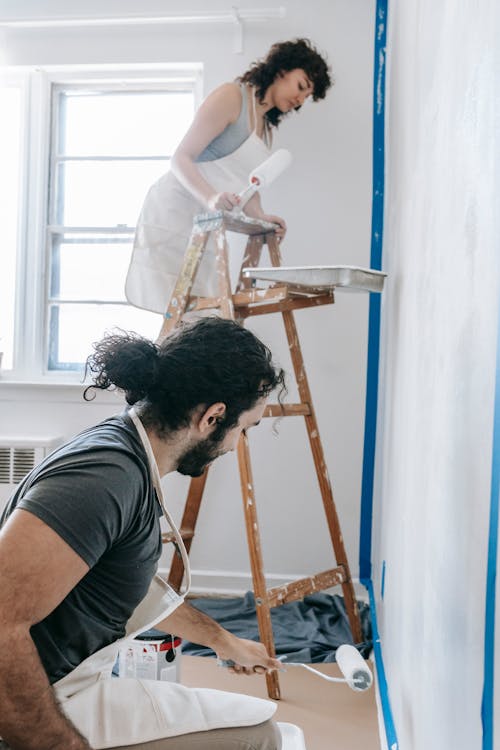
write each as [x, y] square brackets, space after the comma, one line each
[326, 201]
[439, 323]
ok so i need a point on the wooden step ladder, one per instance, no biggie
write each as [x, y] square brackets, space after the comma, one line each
[245, 302]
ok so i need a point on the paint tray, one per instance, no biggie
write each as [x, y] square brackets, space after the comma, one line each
[321, 278]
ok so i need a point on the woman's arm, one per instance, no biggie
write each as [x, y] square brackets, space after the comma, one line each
[254, 209]
[221, 108]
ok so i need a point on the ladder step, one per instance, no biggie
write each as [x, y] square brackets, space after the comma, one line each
[290, 592]
[256, 296]
[286, 305]
[287, 410]
[240, 299]
[266, 301]
[233, 222]
[169, 536]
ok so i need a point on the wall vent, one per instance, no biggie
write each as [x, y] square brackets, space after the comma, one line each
[19, 455]
[15, 463]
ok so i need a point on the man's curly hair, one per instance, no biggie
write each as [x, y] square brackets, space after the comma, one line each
[199, 364]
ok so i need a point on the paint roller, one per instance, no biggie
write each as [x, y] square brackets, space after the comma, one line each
[350, 662]
[264, 175]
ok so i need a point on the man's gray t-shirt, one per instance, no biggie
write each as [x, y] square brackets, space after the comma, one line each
[96, 493]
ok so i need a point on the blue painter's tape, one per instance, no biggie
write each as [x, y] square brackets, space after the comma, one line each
[390, 730]
[365, 541]
[487, 709]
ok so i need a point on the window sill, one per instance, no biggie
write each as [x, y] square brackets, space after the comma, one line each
[48, 390]
[40, 383]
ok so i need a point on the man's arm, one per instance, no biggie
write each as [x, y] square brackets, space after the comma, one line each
[191, 624]
[37, 570]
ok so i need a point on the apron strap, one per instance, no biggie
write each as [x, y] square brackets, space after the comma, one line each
[155, 477]
[266, 131]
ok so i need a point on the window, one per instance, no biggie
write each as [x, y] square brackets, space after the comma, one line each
[11, 101]
[100, 140]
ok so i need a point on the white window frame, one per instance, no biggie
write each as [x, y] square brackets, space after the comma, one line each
[32, 277]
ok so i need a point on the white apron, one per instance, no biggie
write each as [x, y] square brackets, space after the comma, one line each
[165, 224]
[110, 712]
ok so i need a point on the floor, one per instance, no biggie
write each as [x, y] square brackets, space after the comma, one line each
[332, 716]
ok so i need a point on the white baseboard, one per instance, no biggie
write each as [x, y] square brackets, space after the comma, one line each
[237, 583]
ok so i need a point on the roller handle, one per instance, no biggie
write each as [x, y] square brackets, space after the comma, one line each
[352, 665]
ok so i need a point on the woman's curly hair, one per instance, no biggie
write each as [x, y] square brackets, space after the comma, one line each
[282, 58]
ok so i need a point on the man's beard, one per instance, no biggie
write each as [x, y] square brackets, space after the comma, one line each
[195, 460]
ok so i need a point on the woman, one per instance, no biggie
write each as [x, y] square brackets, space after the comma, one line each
[230, 135]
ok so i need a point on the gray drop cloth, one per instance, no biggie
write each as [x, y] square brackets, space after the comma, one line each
[307, 631]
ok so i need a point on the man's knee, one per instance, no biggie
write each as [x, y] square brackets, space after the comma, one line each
[266, 736]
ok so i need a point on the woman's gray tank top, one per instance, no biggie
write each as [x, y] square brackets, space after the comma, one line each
[231, 137]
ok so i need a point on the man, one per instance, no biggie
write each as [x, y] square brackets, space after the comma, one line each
[80, 543]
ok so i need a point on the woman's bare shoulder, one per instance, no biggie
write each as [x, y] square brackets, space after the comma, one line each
[227, 97]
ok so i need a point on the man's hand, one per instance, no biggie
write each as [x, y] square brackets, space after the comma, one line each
[195, 626]
[246, 657]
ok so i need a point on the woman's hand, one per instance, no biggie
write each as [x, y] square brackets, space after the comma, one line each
[254, 209]
[281, 224]
[223, 201]
[281, 229]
